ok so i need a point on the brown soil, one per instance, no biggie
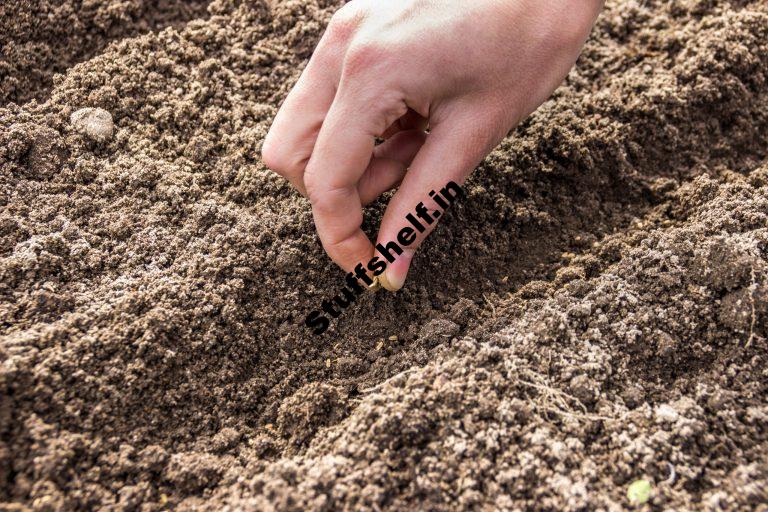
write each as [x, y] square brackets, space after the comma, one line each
[39, 38]
[605, 318]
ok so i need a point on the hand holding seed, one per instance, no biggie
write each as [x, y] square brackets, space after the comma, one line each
[470, 71]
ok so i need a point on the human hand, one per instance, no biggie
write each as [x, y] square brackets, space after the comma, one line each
[468, 70]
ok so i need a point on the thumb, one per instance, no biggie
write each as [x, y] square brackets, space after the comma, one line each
[452, 150]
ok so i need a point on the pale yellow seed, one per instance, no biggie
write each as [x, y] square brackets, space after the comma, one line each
[375, 285]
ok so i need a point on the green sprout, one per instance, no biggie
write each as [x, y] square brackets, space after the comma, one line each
[639, 492]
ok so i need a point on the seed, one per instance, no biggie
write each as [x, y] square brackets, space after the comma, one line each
[375, 285]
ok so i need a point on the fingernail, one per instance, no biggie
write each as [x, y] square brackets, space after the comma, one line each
[394, 277]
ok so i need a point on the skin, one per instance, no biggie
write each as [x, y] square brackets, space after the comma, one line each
[469, 71]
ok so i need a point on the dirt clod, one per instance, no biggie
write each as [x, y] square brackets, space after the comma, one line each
[96, 123]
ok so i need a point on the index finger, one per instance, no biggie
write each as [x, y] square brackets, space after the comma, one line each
[342, 152]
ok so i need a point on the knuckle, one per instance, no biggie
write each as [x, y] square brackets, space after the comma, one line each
[563, 37]
[314, 185]
[275, 157]
[344, 23]
[365, 56]
[332, 245]
[270, 155]
[324, 198]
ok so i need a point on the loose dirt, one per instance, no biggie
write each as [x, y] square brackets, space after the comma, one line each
[595, 311]
[39, 38]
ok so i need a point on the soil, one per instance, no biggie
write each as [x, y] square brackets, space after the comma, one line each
[41, 38]
[593, 313]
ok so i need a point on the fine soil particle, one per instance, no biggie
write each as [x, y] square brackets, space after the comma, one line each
[594, 313]
[39, 38]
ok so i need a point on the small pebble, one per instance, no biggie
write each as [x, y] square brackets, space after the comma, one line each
[639, 492]
[96, 123]
[666, 414]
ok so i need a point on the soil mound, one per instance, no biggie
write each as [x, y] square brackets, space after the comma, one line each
[594, 312]
[43, 37]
